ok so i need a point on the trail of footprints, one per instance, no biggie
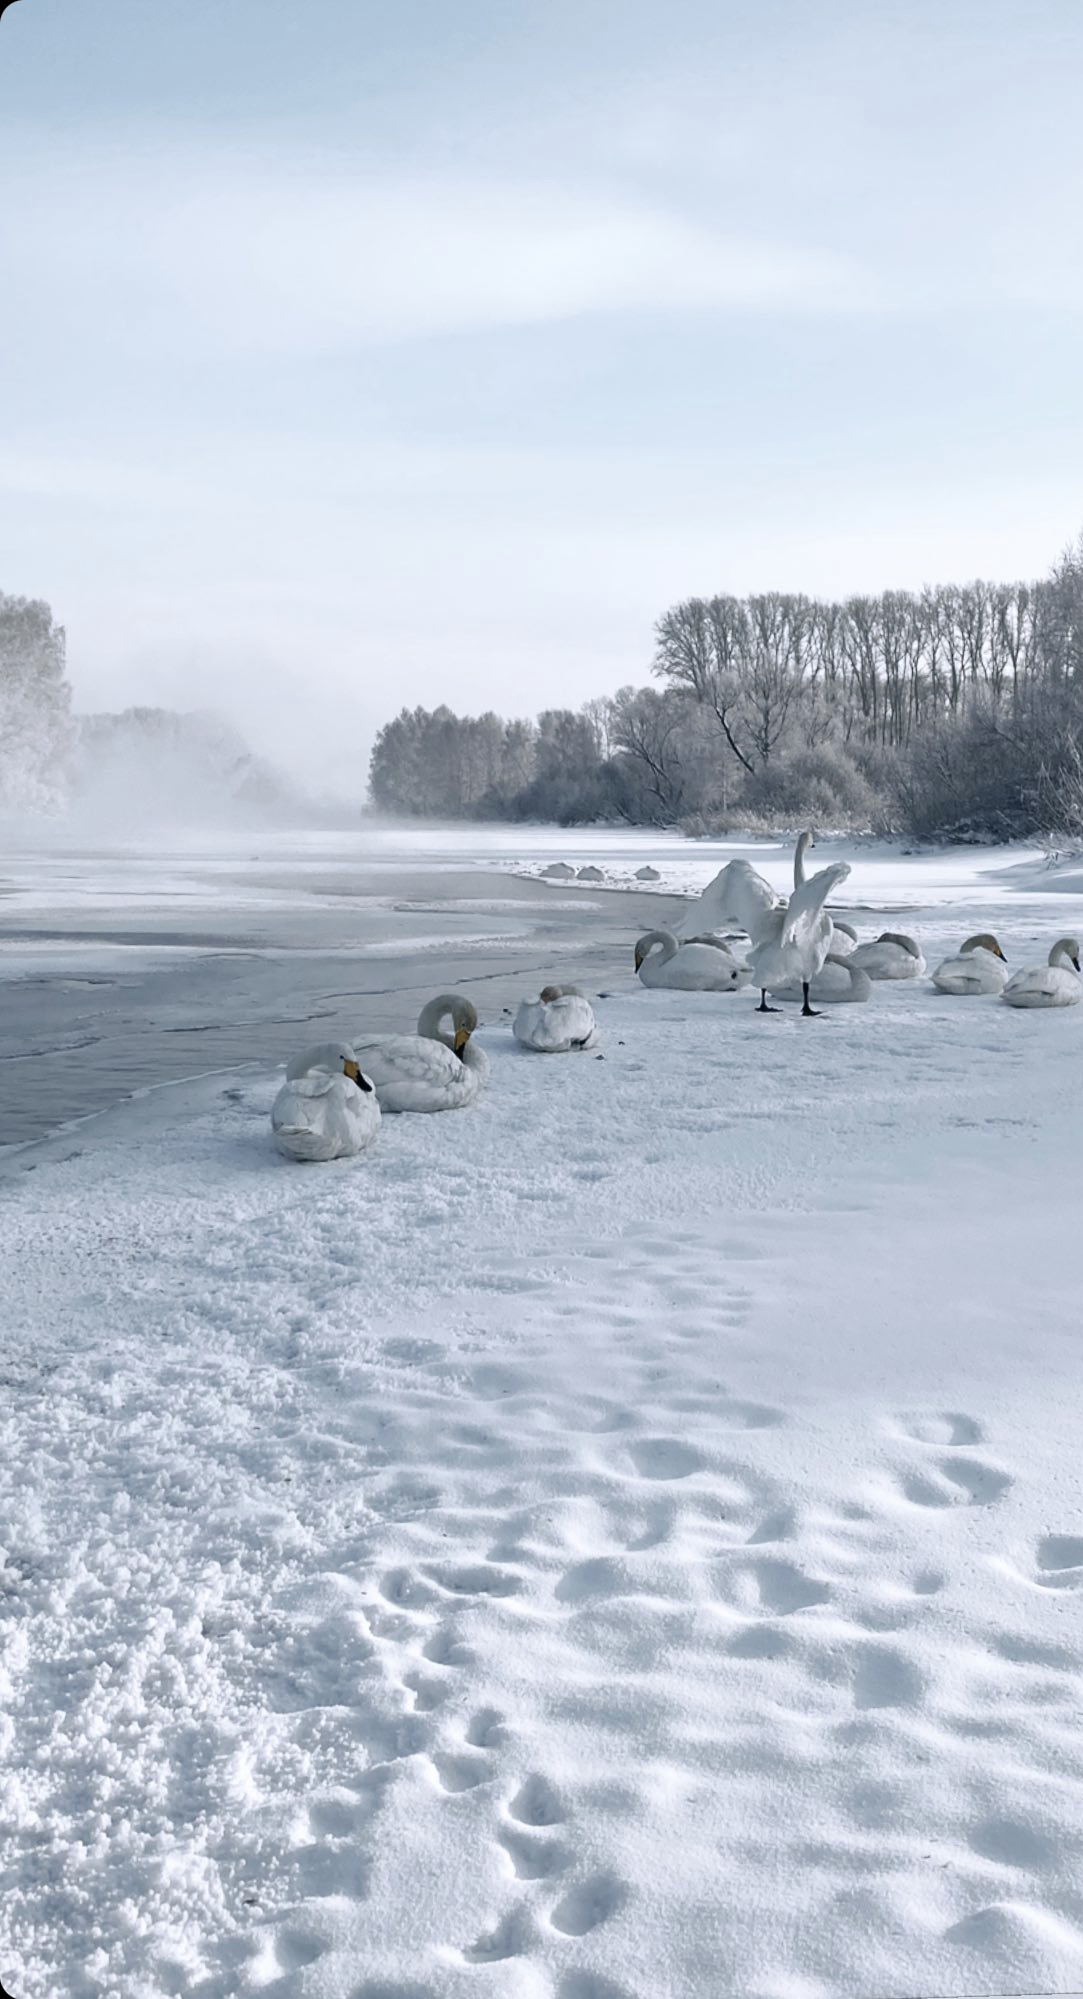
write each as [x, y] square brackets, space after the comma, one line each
[666, 1505]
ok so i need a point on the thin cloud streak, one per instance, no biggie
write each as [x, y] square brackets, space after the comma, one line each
[303, 255]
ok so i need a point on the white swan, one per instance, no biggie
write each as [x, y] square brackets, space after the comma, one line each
[326, 1108]
[892, 956]
[561, 1019]
[429, 1070]
[795, 955]
[838, 982]
[1054, 984]
[843, 935]
[698, 967]
[977, 967]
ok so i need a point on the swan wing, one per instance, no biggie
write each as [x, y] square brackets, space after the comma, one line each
[736, 895]
[807, 903]
[414, 1073]
[971, 972]
[323, 1117]
[1043, 985]
[554, 1027]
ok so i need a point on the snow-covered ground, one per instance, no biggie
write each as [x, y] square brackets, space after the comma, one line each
[621, 1542]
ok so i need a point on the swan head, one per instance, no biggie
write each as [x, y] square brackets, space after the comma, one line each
[551, 993]
[905, 943]
[462, 1013]
[1068, 947]
[335, 1058]
[984, 941]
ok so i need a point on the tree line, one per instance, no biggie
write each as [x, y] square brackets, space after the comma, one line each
[36, 731]
[950, 711]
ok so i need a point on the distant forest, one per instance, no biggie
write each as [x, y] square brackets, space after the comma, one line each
[954, 712]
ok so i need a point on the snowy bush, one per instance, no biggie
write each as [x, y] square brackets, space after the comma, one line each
[36, 734]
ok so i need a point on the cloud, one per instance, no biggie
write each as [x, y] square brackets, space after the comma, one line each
[283, 253]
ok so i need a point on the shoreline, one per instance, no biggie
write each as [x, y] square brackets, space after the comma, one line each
[121, 1011]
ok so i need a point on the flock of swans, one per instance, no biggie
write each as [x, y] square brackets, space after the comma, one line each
[799, 951]
[334, 1096]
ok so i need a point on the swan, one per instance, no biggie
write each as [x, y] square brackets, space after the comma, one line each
[795, 955]
[838, 982]
[892, 956]
[978, 967]
[1054, 984]
[561, 1019]
[843, 935]
[429, 1070]
[843, 938]
[693, 967]
[326, 1108]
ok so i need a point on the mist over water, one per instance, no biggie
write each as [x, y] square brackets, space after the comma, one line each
[162, 779]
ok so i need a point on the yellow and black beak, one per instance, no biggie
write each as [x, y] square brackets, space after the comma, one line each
[353, 1071]
[462, 1036]
[640, 955]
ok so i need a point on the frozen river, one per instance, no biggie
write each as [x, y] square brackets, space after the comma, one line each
[124, 968]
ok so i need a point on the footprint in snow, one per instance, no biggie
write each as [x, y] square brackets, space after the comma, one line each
[510, 1939]
[588, 1904]
[664, 1458]
[1057, 1563]
[443, 1648]
[537, 1803]
[477, 1580]
[428, 1693]
[966, 1481]
[533, 1856]
[943, 1426]
[771, 1588]
[460, 1773]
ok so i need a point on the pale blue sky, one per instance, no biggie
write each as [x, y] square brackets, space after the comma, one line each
[355, 355]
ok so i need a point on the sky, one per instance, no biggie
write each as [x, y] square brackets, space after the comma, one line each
[355, 355]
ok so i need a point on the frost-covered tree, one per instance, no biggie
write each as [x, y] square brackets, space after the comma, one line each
[35, 707]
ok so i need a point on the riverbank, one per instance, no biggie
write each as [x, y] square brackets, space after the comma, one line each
[124, 969]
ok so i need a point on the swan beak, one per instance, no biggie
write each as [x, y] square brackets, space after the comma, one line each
[353, 1071]
[639, 959]
[462, 1036]
[1075, 962]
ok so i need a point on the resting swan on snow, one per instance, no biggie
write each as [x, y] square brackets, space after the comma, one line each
[892, 956]
[698, 966]
[326, 1108]
[838, 982]
[561, 1019]
[429, 1070]
[978, 967]
[1056, 983]
[795, 955]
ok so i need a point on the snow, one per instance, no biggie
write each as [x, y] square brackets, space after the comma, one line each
[623, 1540]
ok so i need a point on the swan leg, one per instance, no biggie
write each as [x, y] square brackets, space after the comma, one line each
[763, 1006]
[809, 1012]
